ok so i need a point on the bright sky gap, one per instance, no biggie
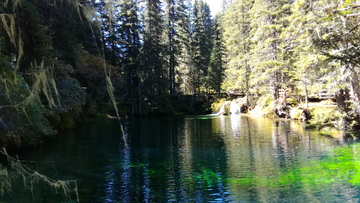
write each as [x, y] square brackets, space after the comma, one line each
[215, 6]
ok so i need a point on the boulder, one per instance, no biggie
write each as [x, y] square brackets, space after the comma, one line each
[243, 108]
[298, 113]
[305, 115]
[282, 111]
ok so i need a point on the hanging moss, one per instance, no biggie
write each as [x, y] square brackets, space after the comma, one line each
[31, 177]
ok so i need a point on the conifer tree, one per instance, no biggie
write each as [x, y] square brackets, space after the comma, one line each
[183, 45]
[171, 18]
[339, 41]
[237, 40]
[266, 58]
[129, 43]
[216, 66]
[297, 38]
[201, 44]
[153, 73]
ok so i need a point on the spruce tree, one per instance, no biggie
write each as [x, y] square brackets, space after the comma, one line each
[237, 40]
[266, 57]
[129, 44]
[216, 66]
[183, 42]
[153, 74]
[201, 45]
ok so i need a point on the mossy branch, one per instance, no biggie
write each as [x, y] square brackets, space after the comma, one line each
[30, 177]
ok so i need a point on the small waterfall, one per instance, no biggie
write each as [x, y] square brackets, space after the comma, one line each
[234, 108]
[224, 110]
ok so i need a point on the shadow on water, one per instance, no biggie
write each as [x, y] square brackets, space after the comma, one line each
[196, 159]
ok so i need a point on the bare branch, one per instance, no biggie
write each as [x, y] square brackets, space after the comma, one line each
[352, 15]
[345, 9]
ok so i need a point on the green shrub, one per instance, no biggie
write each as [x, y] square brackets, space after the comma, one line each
[324, 114]
[265, 100]
[215, 107]
[67, 121]
[292, 102]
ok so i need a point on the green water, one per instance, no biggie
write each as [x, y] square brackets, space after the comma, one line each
[195, 159]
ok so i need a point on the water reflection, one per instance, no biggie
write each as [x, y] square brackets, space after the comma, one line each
[262, 149]
[201, 159]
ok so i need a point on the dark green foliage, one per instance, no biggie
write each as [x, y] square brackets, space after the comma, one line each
[152, 50]
[22, 119]
[201, 46]
[129, 41]
[42, 93]
[216, 69]
[35, 33]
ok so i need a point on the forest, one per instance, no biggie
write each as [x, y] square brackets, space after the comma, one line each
[65, 61]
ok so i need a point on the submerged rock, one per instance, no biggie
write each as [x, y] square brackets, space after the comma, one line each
[305, 115]
[282, 111]
[300, 114]
[244, 108]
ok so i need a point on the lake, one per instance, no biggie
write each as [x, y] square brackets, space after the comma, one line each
[193, 159]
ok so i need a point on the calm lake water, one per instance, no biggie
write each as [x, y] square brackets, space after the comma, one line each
[195, 159]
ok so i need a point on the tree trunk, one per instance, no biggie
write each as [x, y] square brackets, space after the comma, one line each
[275, 86]
[247, 78]
[354, 80]
[306, 95]
[284, 97]
[342, 99]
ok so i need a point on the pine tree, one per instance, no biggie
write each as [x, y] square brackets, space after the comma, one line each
[153, 73]
[237, 39]
[129, 43]
[306, 60]
[266, 57]
[201, 45]
[216, 66]
[171, 19]
[339, 41]
[183, 54]
[108, 10]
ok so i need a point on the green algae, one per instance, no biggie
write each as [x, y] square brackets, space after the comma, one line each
[341, 164]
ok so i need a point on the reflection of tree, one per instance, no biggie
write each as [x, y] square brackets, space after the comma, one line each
[208, 160]
[264, 162]
[231, 157]
[185, 156]
[240, 156]
[281, 145]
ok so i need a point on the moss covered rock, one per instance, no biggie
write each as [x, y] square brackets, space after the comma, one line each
[292, 102]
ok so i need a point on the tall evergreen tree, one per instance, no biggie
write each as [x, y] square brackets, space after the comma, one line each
[129, 44]
[237, 39]
[153, 73]
[171, 18]
[183, 34]
[266, 55]
[216, 66]
[201, 44]
[297, 38]
[339, 41]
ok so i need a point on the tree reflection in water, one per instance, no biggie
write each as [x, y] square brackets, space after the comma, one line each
[206, 158]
